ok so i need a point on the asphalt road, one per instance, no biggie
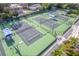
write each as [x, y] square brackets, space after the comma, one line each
[69, 32]
[77, 23]
[52, 48]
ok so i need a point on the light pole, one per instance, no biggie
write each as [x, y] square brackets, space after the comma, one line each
[16, 48]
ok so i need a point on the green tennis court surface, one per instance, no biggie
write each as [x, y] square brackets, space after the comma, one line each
[38, 45]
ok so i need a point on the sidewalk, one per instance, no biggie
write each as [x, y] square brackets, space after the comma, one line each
[2, 52]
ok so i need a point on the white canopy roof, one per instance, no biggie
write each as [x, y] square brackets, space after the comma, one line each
[7, 31]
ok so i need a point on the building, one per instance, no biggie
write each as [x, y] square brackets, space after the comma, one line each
[35, 7]
[7, 34]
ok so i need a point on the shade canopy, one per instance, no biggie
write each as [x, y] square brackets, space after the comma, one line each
[7, 31]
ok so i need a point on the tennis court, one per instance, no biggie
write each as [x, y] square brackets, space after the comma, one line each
[59, 23]
[61, 17]
[28, 34]
[40, 19]
[58, 12]
[50, 23]
[34, 40]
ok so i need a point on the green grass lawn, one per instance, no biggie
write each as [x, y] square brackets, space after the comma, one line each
[61, 29]
[33, 49]
[64, 26]
[40, 44]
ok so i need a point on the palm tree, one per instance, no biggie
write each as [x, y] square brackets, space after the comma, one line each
[57, 52]
[73, 40]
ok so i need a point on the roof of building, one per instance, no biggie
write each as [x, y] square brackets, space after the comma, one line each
[13, 6]
[34, 7]
[7, 31]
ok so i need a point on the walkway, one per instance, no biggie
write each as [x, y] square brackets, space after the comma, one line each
[2, 52]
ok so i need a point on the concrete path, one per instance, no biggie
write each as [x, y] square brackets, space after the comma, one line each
[2, 52]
